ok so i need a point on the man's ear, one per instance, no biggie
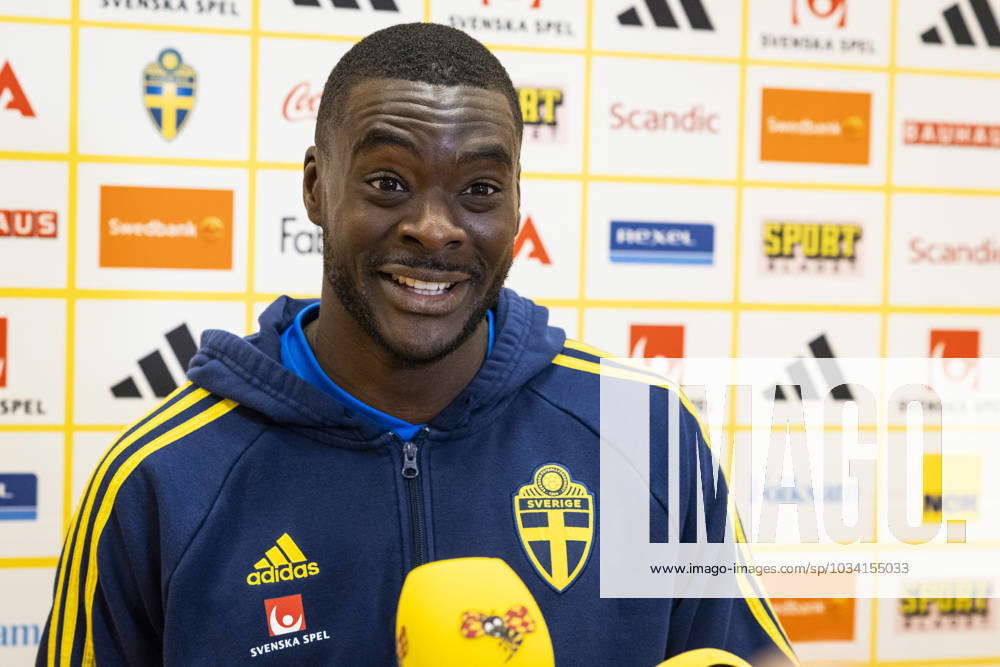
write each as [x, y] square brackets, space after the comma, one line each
[312, 191]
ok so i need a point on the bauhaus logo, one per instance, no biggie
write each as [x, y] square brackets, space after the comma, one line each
[166, 228]
[810, 248]
[26, 223]
[3, 352]
[377, 5]
[154, 367]
[284, 615]
[662, 242]
[960, 30]
[282, 562]
[660, 14]
[943, 133]
[815, 126]
[11, 89]
[528, 236]
[18, 497]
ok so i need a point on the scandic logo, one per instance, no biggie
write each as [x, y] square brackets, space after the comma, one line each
[936, 133]
[166, 228]
[284, 615]
[27, 223]
[18, 497]
[663, 17]
[282, 562]
[959, 29]
[662, 242]
[696, 120]
[3, 352]
[984, 253]
[815, 126]
[18, 100]
[528, 234]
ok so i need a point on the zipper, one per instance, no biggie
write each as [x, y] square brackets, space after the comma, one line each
[415, 500]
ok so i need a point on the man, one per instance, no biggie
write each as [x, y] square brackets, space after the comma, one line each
[287, 491]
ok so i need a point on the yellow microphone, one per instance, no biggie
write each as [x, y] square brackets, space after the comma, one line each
[705, 657]
[469, 612]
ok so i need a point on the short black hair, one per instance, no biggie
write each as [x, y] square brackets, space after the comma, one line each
[426, 52]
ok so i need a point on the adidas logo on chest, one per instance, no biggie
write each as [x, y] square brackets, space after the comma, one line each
[282, 562]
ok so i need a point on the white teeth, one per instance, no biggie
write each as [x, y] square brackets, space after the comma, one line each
[421, 287]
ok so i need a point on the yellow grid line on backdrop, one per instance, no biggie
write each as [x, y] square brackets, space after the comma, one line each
[736, 306]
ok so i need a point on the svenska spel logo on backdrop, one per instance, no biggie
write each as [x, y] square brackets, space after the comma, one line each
[18, 497]
[166, 228]
[815, 126]
[170, 88]
[944, 133]
[652, 341]
[810, 248]
[10, 87]
[29, 224]
[662, 242]
[818, 28]
[510, 17]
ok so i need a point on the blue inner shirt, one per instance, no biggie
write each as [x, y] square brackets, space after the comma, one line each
[298, 357]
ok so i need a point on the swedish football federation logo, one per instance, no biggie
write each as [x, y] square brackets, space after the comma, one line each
[169, 91]
[555, 521]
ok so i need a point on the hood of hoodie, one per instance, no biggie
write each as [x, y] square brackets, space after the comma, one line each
[249, 371]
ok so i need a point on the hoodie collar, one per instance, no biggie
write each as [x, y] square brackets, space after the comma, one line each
[249, 371]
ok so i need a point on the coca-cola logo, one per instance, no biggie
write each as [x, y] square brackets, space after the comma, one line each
[301, 103]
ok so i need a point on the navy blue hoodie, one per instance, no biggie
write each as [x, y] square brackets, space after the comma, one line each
[252, 517]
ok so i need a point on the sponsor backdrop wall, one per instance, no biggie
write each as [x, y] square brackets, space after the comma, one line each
[701, 177]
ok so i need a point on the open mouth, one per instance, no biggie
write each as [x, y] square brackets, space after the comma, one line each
[419, 286]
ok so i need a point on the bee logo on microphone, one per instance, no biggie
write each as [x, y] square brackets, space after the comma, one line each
[510, 628]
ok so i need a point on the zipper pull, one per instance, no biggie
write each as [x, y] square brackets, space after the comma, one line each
[410, 469]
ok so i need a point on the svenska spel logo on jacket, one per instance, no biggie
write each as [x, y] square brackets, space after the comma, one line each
[282, 562]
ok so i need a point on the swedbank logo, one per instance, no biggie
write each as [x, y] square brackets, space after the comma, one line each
[282, 562]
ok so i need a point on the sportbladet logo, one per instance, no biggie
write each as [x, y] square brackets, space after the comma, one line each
[662, 242]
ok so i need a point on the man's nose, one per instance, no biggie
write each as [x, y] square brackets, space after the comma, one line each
[433, 226]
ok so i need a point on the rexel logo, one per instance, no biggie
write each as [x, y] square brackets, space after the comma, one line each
[9, 85]
[662, 242]
[284, 615]
[18, 497]
[815, 126]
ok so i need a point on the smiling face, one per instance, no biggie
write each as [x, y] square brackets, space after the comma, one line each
[418, 197]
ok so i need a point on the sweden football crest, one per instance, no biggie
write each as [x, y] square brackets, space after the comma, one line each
[169, 91]
[555, 522]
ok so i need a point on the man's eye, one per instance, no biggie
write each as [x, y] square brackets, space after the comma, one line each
[481, 190]
[387, 184]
